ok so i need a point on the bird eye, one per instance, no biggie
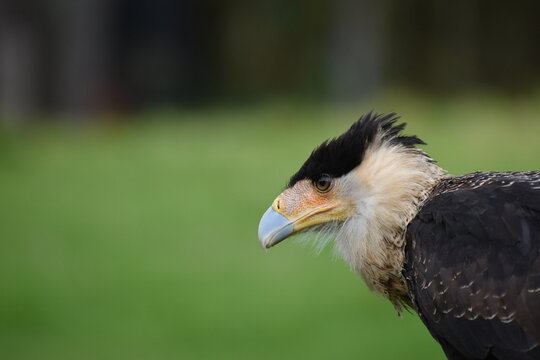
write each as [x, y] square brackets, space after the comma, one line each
[323, 183]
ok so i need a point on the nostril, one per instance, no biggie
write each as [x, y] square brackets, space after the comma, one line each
[278, 205]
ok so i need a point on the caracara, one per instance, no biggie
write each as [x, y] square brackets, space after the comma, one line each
[462, 251]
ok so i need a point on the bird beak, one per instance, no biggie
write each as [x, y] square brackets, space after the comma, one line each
[297, 209]
[274, 228]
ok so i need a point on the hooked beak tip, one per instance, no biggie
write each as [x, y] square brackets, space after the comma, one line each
[273, 228]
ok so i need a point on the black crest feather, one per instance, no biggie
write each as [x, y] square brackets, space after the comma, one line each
[338, 156]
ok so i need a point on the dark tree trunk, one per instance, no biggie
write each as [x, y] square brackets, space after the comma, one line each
[83, 59]
[355, 49]
[19, 62]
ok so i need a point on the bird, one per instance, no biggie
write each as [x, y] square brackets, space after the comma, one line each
[462, 251]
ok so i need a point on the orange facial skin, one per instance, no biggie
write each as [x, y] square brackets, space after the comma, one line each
[306, 207]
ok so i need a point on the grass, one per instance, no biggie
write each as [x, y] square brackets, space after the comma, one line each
[139, 242]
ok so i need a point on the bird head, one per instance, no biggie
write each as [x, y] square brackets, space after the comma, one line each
[348, 179]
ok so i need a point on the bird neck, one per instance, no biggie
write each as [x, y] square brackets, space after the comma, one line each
[392, 184]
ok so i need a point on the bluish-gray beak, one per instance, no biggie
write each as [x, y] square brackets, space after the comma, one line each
[274, 228]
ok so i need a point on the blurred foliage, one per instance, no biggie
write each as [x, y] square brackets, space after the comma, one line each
[96, 56]
[140, 241]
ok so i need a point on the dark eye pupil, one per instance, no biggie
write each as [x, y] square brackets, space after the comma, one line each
[323, 183]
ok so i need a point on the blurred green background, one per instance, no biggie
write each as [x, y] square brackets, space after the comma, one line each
[141, 141]
[140, 242]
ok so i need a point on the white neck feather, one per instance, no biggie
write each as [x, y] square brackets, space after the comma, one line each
[388, 187]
